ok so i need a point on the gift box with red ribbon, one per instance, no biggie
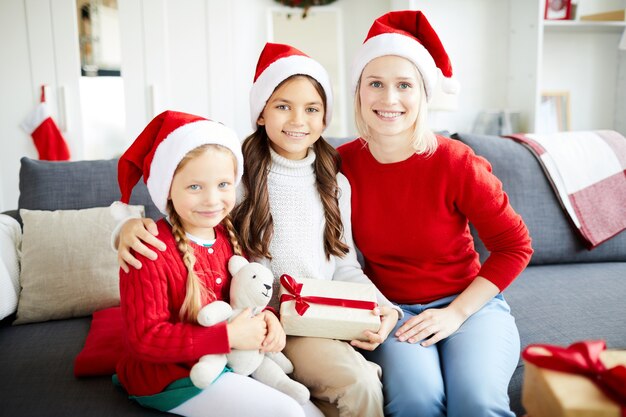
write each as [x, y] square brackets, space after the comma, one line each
[582, 380]
[330, 309]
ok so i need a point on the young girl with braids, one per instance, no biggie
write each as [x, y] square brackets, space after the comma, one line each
[295, 219]
[191, 167]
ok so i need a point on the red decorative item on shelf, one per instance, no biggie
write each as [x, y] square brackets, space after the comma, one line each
[558, 10]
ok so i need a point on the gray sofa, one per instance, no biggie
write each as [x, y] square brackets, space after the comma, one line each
[567, 293]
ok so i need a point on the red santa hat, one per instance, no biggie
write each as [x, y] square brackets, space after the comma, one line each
[409, 35]
[158, 150]
[278, 62]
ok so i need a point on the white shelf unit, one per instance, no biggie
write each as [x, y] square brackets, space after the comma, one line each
[578, 57]
[582, 58]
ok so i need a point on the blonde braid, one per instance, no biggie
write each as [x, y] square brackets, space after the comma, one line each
[232, 235]
[195, 289]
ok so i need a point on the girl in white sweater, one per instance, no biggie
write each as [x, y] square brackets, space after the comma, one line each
[295, 218]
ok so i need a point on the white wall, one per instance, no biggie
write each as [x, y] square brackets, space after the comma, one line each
[620, 102]
[200, 55]
[34, 51]
[475, 36]
[16, 100]
[197, 56]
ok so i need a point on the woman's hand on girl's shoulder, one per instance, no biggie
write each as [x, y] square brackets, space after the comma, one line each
[133, 234]
[388, 320]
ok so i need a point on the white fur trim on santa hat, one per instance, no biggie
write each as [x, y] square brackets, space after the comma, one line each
[279, 71]
[177, 144]
[400, 45]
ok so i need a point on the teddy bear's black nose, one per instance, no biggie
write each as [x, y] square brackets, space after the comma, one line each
[267, 287]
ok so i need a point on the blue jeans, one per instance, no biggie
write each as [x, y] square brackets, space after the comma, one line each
[467, 374]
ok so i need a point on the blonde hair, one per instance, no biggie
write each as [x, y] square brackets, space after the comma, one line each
[196, 291]
[423, 139]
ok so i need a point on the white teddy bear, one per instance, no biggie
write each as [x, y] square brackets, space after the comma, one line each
[250, 287]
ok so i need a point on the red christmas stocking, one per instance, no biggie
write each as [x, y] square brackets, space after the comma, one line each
[47, 137]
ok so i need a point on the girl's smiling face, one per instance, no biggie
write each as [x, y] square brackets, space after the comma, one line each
[293, 117]
[390, 96]
[203, 191]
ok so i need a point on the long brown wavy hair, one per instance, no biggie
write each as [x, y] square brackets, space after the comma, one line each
[196, 291]
[252, 218]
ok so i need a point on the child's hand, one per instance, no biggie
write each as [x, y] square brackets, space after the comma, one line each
[276, 338]
[388, 320]
[438, 323]
[132, 235]
[245, 332]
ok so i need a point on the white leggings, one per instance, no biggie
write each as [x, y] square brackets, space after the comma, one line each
[241, 396]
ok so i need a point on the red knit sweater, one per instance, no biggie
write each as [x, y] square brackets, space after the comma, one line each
[159, 347]
[410, 220]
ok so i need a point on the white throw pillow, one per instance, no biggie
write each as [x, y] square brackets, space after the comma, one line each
[67, 266]
[10, 241]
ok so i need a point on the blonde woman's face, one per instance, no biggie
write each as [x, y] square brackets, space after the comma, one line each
[203, 191]
[390, 95]
[293, 118]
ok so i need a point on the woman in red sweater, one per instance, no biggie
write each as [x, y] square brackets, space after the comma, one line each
[414, 194]
[191, 167]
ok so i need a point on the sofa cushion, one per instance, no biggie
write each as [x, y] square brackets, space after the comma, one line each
[37, 378]
[104, 344]
[554, 238]
[67, 266]
[10, 243]
[46, 185]
[563, 304]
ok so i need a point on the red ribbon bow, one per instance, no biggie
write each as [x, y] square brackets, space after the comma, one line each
[302, 302]
[583, 358]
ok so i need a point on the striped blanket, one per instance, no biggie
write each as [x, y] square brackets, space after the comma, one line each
[588, 173]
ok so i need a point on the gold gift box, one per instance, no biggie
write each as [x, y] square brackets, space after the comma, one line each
[548, 393]
[332, 322]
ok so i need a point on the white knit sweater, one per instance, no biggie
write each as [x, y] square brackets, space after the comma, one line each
[297, 246]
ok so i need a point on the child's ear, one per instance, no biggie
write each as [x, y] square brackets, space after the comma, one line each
[260, 121]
